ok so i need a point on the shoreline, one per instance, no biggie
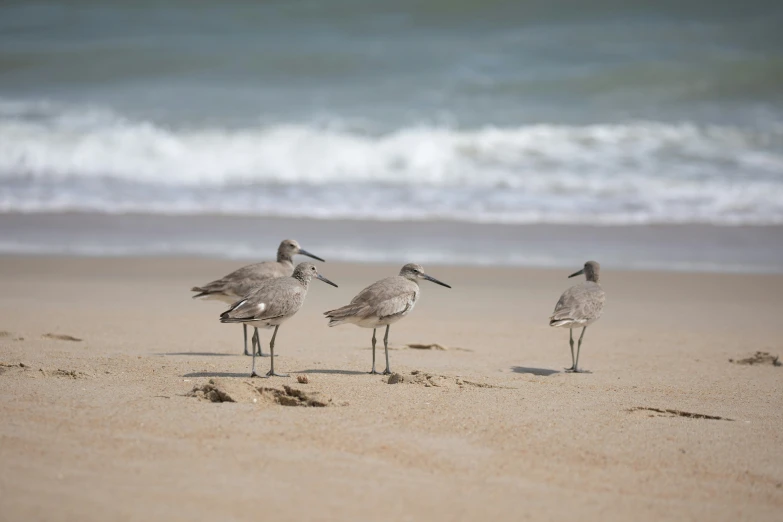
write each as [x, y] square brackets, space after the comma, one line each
[679, 248]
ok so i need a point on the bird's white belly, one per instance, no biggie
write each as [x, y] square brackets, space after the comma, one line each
[577, 323]
[269, 323]
[375, 322]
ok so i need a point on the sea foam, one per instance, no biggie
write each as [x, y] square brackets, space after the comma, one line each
[54, 159]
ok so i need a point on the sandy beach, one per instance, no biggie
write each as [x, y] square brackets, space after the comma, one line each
[150, 147]
[103, 427]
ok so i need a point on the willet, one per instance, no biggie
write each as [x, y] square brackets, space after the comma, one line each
[273, 302]
[243, 281]
[382, 304]
[580, 306]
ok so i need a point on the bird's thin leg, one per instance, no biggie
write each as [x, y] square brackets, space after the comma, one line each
[387, 371]
[579, 347]
[253, 371]
[244, 329]
[571, 342]
[257, 342]
[373, 372]
[271, 371]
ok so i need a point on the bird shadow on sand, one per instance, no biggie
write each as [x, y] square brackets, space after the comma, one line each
[542, 372]
[216, 374]
[337, 372]
[202, 354]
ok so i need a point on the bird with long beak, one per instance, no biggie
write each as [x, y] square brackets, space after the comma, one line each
[243, 281]
[273, 302]
[382, 304]
[580, 306]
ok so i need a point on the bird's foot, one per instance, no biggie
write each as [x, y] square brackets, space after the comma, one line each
[261, 354]
[576, 370]
[254, 374]
[569, 369]
[387, 371]
[270, 373]
[373, 372]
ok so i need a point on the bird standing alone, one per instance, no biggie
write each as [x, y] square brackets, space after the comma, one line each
[383, 303]
[580, 306]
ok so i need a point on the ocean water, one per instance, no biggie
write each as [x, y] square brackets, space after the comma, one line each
[464, 111]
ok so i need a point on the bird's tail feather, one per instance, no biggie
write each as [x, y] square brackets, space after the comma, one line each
[341, 315]
[201, 292]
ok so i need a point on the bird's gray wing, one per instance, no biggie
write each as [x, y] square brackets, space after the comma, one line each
[579, 303]
[274, 298]
[387, 297]
[398, 305]
[244, 280]
[594, 305]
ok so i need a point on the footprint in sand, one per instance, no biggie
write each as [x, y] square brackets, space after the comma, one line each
[437, 381]
[225, 390]
[10, 335]
[668, 412]
[71, 374]
[759, 358]
[61, 337]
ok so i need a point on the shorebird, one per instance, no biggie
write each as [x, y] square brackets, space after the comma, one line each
[241, 282]
[580, 306]
[382, 304]
[271, 303]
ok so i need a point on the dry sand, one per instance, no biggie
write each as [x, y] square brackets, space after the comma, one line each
[101, 423]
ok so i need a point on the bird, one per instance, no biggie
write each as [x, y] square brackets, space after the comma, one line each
[580, 306]
[382, 304]
[271, 303]
[242, 281]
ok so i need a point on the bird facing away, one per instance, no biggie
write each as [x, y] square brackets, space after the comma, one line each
[271, 303]
[580, 306]
[241, 282]
[382, 304]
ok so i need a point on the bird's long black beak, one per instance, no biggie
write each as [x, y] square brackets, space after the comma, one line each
[582, 271]
[430, 278]
[308, 254]
[322, 278]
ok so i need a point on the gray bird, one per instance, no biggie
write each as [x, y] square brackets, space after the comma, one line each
[580, 306]
[241, 282]
[273, 302]
[382, 304]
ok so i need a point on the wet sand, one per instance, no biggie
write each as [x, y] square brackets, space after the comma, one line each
[103, 426]
[694, 248]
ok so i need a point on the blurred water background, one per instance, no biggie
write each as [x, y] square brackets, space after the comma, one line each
[627, 115]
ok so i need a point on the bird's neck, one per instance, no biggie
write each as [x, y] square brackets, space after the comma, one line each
[302, 278]
[283, 257]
